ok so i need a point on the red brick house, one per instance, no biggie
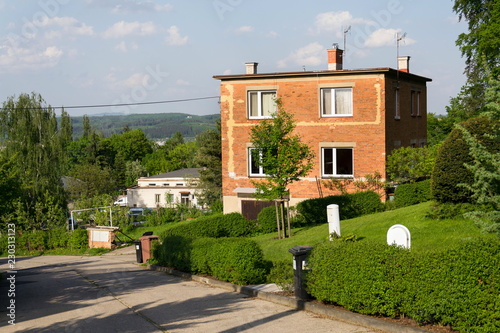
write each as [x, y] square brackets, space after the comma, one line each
[351, 118]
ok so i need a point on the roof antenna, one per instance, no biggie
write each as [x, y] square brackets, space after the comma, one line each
[398, 39]
[345, 45]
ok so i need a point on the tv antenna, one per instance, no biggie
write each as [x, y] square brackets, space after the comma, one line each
[346, 30]
[399, 38]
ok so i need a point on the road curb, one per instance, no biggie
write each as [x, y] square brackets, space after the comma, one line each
[294, 303]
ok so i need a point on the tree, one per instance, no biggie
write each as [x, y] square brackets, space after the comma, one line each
[407, 164]
[209, 159]
[453, 156]
[34, 143]
[283, 157]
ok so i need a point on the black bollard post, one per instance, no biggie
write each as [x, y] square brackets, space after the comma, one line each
[299, 256]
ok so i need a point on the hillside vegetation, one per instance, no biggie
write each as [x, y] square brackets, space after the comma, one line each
[157, 126]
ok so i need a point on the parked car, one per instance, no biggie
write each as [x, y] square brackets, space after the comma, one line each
[123, 202]
[138, 215]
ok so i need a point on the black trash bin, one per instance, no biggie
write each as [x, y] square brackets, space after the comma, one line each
[138, 251]
[300, 267]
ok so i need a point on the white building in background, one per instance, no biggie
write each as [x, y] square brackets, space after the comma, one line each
[165, 189]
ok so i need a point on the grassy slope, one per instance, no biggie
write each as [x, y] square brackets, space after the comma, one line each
[426, 234]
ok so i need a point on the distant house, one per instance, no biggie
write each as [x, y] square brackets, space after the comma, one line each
[351, 118]
[165, 189]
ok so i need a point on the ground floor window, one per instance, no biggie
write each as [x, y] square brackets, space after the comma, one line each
[337, 162]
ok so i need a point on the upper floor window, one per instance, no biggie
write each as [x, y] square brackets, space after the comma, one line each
[254, 163]
[415, 103]
[337, 162]
[397, 113]
[336, 102]
[261, 104]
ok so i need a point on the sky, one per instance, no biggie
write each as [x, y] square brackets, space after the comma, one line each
[110, 52]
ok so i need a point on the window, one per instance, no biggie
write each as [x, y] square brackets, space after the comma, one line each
[261, 104]
[415, 103]
[169, 198]
[337, 162]
[336, 102]
[157, 198]
[254, 160]
[185, 198]
[396, 105]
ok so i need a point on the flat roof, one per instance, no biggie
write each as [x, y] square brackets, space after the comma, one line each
[385, 70]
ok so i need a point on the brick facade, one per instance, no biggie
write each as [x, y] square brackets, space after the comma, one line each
[373, 129]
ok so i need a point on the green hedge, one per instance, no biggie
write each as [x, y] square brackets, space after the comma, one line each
[267, 220]
[236, 260]
[350, 206]
[216, 226]
[457, 287]
[412, 194]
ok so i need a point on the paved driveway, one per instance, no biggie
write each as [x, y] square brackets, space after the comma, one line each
[111, 293]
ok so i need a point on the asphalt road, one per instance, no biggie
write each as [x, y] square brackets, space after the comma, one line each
[111, 293]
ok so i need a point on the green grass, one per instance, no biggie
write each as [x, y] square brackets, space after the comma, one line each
[426, 234]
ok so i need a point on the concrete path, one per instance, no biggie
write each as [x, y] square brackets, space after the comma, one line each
[111, 293]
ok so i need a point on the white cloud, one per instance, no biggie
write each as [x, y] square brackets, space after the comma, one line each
[130, 6]
[272, 34]
[181, 82]
[174, 37]
[335, 22]
[386, 37]
[122, 29]
[125, 47]
[244, 29]
[14, 58]
[312, 54]
[227, 72]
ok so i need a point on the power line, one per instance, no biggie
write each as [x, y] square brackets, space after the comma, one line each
[130, 104]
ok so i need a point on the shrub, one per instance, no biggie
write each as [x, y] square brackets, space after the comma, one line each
[267, 220]
[58, 238]
[449, 169]
[236, 260]
[350, 206]
[32, 240]
[218, 225]
[79, 239]
[457, 287]
[282, 275]
[413, 193]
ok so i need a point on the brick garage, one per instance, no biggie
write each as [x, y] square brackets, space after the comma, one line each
[361, 114]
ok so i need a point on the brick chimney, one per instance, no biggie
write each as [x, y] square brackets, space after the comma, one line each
[335, 59]
[404, 64]
[251, 67]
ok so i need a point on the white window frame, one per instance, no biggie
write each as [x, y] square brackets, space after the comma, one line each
[259, 104]
[334, 162]
[333, 103]
[261, 172]
[157, 199]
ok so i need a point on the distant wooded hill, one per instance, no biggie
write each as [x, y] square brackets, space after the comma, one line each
[157, 126]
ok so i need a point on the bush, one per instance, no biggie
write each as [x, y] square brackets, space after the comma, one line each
[350, 206]
[449, 169]
[282, 275]
[236, 260]
[216, 226]
[267, 220]
[412, 194]
[457, 287]
[79, 239]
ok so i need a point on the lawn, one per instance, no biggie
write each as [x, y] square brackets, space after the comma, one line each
[426, 234]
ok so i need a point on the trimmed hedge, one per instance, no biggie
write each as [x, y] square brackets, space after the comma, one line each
[457, 287]
[267, 220]
[236, 260]
[350, 206]
[216, 226]
[412, 194]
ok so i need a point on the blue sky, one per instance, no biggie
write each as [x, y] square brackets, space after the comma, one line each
[95, 52]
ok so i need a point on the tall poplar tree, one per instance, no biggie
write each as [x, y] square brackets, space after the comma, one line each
[35, 145]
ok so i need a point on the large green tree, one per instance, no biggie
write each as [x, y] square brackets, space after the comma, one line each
[209, 159]
[34, 143]
[282, 155]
